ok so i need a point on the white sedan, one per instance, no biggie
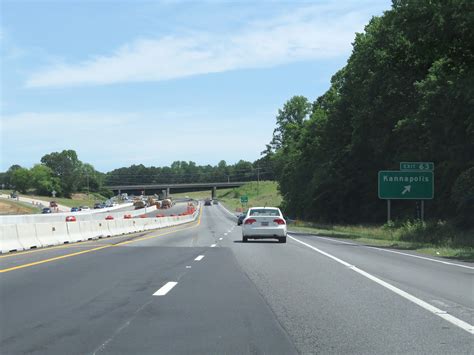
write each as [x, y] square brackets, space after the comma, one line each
[263, 223]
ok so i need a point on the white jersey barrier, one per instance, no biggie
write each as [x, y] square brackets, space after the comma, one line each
[9, 238]
[80, 216]
[24, 236]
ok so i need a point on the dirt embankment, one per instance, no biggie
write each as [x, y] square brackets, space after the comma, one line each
[11, 207]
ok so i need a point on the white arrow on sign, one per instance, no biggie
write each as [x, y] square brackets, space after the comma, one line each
[406, 189]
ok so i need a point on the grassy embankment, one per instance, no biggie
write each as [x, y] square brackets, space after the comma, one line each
[10, 207]
[76, 200]
[259, 194]
[415, 236]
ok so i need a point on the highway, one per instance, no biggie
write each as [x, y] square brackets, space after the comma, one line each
[196, 288]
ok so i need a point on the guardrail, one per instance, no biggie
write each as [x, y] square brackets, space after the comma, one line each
[24, 236]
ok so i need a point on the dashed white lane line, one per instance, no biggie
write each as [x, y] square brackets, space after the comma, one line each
[188, 266]
[225, 233]
[213, 245]
[220, 238]
[199, 258]
[430, 308]
[165, 289]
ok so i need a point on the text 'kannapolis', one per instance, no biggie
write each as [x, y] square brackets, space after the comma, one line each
[406, 179]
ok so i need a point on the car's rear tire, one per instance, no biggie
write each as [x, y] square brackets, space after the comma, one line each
[245, 239]
[282, 239]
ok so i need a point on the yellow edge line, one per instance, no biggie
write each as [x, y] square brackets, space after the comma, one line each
[94, 249]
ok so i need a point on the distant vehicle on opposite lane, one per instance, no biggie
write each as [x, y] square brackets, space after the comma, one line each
[84, 208]
[74, 209]
[46, 210]
[240, 218]
[264, 223]
[207, 202]
[215, 202]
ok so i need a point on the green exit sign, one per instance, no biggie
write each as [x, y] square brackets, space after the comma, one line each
[244, 199]
[406, 185]
[416, 166]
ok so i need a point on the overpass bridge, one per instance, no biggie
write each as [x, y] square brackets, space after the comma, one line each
[165, 189]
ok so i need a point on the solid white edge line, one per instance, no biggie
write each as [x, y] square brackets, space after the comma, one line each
[337, 241]
[422, 257]
[165, 289]
[225, 209]
[213, 245]
[199, 258]
[397, 252]
[436, 311]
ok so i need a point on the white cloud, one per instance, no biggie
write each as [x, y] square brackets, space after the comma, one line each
[308, 33]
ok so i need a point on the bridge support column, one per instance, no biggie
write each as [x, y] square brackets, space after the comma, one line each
[167, 192]
[214, 190]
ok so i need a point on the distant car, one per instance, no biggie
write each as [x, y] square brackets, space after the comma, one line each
[207, 202]
[127, 216]
[70, 219]
[264, 223]
[74, 209]
[241, 217]
[46, 210]
[84, 208]
[109, 218]
[215, 202]
[98, 205]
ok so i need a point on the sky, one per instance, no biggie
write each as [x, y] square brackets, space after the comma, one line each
[152, 82]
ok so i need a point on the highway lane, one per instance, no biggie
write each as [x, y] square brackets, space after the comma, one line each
[230, 297]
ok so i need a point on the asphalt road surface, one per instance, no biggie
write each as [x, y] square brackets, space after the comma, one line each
[198, 289]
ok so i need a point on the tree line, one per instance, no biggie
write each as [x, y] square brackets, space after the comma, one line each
[61, 172]
[405, 94]
[190, 172]
[65, 174]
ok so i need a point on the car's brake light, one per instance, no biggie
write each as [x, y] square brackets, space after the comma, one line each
[279, 221]
[250, 221]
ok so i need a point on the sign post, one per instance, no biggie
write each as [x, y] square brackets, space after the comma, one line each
[244, 199]
[406, 185]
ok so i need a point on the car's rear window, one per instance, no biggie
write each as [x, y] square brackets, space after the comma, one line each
[264, 212]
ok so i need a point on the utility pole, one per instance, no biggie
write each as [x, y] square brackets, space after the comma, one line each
[87, 177]
[258, 180]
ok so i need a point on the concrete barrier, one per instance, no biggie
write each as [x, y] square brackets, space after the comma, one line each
[74, 232]
[27, 235]
[86, 231]
[44, 233]
[9, 238]
[59, 230]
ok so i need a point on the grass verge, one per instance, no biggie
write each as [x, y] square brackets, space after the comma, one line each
[395, 237]
[9, 207]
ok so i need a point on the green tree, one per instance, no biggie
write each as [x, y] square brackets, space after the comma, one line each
[67, 167]
[21, 179]
[43, 181]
